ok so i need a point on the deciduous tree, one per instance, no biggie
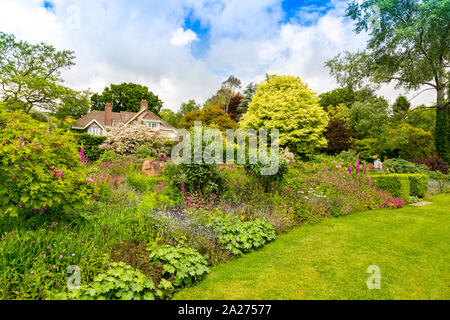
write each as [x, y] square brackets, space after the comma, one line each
[287, 104]
[408, 45]
[30, 74]
[126, 97]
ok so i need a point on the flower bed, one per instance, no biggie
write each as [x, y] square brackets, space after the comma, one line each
[162, 230]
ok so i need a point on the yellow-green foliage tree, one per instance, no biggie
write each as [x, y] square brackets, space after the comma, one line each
[212, 116]
[287, 104]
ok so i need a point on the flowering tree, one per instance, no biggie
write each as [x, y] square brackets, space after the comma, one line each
[40, 168]
[127, 139]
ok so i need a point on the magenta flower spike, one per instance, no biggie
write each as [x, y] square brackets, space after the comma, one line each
[357, 166]
[365, 170]
[350, 169]
[82, 156]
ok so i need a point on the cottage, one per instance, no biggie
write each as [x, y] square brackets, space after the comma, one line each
[99, 122]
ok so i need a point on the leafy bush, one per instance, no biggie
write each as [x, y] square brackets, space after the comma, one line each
[267, 180]
[120, 282]
[184, 266]
[108, 155]
[90, 145]
[406, 141]
[396, 165]
[434, 163]
[144, 152]
[240, 237]
[396, 184]
[206, 178]
[40, 169]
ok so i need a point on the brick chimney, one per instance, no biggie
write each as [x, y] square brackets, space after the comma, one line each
[144, 104]
[108, 114]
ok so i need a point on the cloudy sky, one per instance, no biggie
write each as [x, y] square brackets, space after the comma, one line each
[184, 49]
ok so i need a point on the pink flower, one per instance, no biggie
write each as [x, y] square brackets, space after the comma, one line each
[82, 156]
[357, 166]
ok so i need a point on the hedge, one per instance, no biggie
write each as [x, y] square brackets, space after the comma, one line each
[418, 184]
[402, 185]
[90, 145]
[396, 184]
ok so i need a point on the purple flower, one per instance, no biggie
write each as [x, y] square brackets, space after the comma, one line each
[82, 156]
[357, 166]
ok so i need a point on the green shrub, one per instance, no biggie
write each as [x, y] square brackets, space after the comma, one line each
[144, 152]
[396, 184]
[206, 178]
[90, 145]
[240, 237]
[397, 165]
[120, 282]
[418, 184]
[40, 169]
[185, 265]
[108, 155]
[267, 180]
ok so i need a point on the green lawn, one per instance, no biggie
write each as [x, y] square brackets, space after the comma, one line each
[329, 260]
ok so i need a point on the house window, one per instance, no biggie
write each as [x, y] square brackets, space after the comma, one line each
[95, 131]
[152, 125]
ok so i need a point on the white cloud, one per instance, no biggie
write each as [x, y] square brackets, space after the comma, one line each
[146, 42]
[183, 37]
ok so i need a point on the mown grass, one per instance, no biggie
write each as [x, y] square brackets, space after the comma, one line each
[329, 260]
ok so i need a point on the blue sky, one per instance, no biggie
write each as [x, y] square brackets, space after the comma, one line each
[291, 12]
[184, 49]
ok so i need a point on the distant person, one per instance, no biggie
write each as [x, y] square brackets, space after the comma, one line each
[377, 164]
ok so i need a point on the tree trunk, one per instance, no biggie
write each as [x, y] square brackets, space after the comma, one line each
[442, 130]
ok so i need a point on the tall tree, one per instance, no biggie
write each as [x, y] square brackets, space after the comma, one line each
[345, 96]
[408, 45]
[222, 98]
[233, 109]
[126, 97]
[30, 74]
[171, 117]
[232, 84]
[249, 91]
[400, 107]
[368, 119]
[189, 106]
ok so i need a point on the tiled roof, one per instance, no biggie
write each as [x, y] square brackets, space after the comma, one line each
[118, 118]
